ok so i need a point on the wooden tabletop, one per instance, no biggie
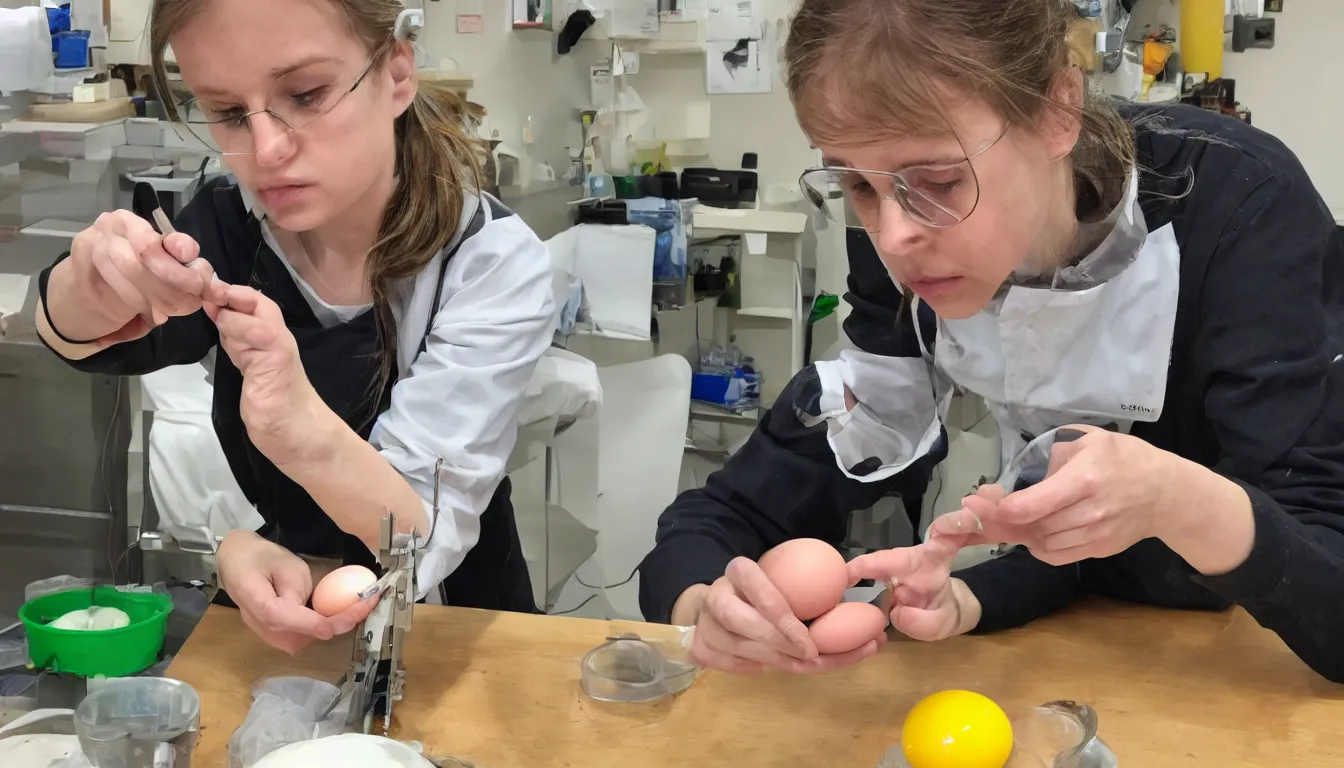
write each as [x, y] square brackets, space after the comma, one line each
[501, 690]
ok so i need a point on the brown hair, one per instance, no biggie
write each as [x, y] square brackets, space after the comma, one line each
[888, 64]
[437, 162]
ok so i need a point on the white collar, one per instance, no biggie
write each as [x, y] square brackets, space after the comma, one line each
[1127, 232]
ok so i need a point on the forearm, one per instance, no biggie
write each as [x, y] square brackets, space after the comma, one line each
[1011, 590]
[68, 299]
[1289, 577]
[1207, 520]
[350, 480]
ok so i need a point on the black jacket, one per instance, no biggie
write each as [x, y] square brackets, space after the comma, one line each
[1255, 391]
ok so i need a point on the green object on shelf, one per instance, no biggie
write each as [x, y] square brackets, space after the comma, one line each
[627, 187]
[90, 653]
[823, 306]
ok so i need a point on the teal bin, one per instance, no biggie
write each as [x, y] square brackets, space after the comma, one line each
[110, 652]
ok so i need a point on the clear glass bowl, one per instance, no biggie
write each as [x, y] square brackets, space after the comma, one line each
[1058, 734]
[139, 721]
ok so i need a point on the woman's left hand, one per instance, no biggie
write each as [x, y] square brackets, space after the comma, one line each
[278, 402]
[1103, 493]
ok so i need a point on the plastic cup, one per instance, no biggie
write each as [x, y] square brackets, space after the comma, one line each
[139, 722]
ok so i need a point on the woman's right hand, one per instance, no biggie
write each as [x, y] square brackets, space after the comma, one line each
[271, 586]
[743, 625]
[129, 279]
[925, 602]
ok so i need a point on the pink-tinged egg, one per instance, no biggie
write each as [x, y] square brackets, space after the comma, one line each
[339, 590]
[846, 627]
[809, 573]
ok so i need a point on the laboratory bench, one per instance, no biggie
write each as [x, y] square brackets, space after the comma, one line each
[502, 689]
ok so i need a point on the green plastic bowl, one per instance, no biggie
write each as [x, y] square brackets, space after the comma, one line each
[109, 652]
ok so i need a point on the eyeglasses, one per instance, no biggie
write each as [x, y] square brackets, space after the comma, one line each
[937, 196]
[305, 98]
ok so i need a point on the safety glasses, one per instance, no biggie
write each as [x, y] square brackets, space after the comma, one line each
[937, 196]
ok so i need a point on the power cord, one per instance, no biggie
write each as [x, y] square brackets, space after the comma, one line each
[601, 590]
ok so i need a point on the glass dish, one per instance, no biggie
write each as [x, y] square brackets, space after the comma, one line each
[1058, 734]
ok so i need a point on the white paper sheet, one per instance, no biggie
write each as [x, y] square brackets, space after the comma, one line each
[732, 20]
[737, 67]
[697, 120]
[634, 18]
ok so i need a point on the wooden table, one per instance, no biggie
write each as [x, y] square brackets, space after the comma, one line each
[1171, 689]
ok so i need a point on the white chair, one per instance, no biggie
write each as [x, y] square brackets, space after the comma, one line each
[641, 434]
[563, 391]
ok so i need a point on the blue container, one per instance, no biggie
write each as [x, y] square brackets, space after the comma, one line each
[709, 387]
[58, 19]
[72, 49]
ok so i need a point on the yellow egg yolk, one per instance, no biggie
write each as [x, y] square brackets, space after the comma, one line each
[957, 729]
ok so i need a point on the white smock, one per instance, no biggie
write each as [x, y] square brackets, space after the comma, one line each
[1089, 346]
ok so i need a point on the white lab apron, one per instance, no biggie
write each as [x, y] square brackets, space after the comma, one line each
[1040, 357]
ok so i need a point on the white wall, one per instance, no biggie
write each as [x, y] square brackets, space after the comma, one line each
[1289, 90]
[517, 74]
[760, 123]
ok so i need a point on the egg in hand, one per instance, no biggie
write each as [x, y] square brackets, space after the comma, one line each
[809, 573]
[957, 729]
[339, 590]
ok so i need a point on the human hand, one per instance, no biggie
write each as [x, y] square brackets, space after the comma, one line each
[278, 403]
[926, 603]
[1102, 493]
[134, 278]
[271, 586]
[744, 626]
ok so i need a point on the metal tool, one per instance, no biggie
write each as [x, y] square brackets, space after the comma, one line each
[377, 674]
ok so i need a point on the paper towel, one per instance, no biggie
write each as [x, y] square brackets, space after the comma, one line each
[25, 49]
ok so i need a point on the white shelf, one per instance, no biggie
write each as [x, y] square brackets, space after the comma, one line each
[749, 220]
[676, 37]
[778, 313]
[706, 412]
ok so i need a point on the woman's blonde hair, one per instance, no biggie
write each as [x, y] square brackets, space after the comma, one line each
[860, 67]
[437, 163]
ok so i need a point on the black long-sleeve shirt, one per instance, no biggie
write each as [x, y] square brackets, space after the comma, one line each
[1255, 391]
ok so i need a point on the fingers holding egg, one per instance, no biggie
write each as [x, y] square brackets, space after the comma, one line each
[813, 576]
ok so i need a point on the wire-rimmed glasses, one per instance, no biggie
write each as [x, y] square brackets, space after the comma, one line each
[937, 196]
[301, 99]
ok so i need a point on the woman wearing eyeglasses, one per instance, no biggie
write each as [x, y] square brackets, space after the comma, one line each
[380, 317]
[1164, 280]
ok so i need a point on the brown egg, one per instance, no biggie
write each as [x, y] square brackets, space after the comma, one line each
[339, 590]
[810, 574]
[847, 626]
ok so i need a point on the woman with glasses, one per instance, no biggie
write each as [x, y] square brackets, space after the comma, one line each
[1165, 282]
[380, 317]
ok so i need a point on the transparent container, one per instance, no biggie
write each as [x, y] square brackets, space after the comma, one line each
[629, 669]
[1059, 734]
[139, 722]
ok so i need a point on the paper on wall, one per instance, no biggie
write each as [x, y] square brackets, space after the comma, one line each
[697, 120]
[634, 18]
[732, 20]
[737, 66]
